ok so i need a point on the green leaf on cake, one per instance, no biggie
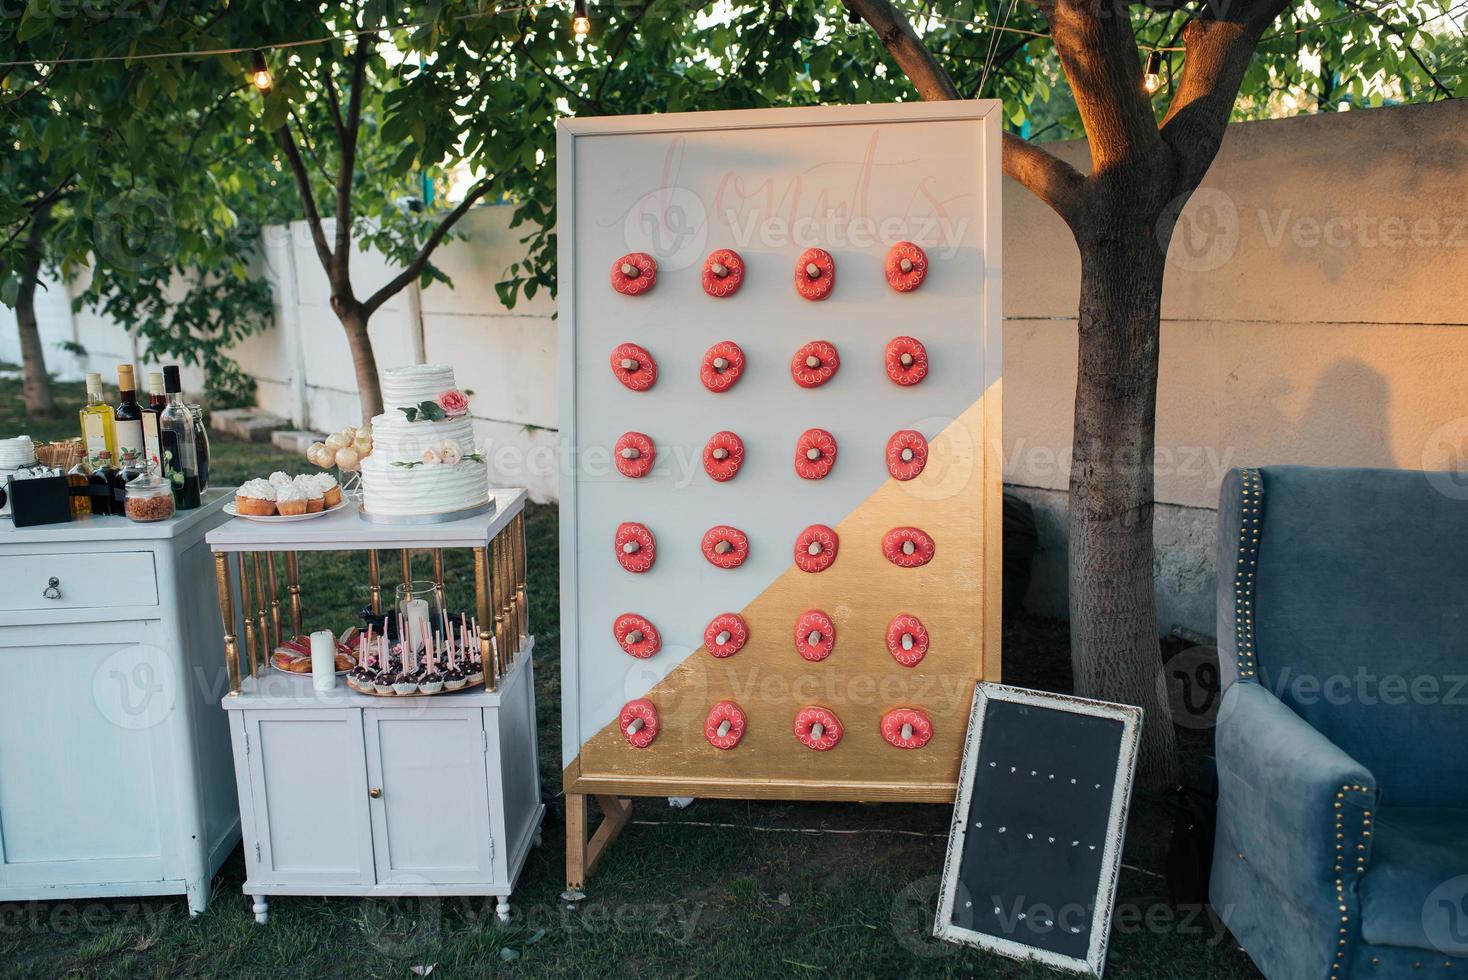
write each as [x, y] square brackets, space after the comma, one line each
[431, 411]
[411, 413]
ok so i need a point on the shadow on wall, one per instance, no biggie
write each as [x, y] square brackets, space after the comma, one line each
[1345, 421]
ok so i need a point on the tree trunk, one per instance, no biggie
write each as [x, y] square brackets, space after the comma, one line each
[354, 320]
[38, 400]
[1113, 609]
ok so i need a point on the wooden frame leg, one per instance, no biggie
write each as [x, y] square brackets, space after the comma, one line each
[583, 853]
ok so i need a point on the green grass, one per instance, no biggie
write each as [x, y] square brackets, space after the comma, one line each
[776, 890]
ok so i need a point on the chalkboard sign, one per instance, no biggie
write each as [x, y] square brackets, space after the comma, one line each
[1035, 847]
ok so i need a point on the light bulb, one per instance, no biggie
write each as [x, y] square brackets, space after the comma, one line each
[580, 22]
[1152, 75]
[260, 72]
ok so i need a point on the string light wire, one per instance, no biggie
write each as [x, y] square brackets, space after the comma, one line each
[303, 43]
[541, 4]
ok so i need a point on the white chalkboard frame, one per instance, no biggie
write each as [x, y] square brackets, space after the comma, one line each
[1131, 721]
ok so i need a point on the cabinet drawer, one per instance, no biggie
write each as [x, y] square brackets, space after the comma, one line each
[117, 578]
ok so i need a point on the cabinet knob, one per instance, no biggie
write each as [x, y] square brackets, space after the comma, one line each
[53, 589]
[375, 792]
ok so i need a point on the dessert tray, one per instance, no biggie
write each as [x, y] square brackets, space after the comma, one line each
[433, 662]
[229, 509]
[294, 656]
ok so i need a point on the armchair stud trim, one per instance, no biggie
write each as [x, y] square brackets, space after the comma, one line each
[1251, 514]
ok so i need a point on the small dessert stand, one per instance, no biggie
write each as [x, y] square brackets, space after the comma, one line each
[335, 786]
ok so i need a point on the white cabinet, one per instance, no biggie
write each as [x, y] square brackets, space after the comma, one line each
[114, 760]
[309, 809]
[429, 795]
[420, 796]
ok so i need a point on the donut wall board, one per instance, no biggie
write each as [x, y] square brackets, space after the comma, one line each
[780, 495]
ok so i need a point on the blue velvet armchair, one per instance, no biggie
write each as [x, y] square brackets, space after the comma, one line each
[1342, 737]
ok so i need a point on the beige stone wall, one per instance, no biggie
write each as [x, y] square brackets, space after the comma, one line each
[1315, 312]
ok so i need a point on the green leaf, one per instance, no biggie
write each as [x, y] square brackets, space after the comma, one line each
[432, 411]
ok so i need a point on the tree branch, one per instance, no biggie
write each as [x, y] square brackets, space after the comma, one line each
[334, 102]
[906, 48]
[1217, 53]
[1051, 179]
[415, 268]
[1046, 176]
[43, 203]
[308, 200]
[1099, 55]
[349, 156]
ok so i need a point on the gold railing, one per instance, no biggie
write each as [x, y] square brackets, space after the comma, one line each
[500, 601]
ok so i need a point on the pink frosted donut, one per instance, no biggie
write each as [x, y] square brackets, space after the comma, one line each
[636, 636]
[726, 635]
[908, 547]
[907, 360]
[907, 454]
[725, 546]
[906, 728]
[907, 639]
[815, 454]
[815, 274]
[639, 722]
[906, 266]
[815, 548]
[724, 726]
[723, 364]
[634, 273]
[634, 367]
[636, 547]
[815, 635]
[634, 455]
[723, 454]
[817, 728]
[723, 273]
[814, 364]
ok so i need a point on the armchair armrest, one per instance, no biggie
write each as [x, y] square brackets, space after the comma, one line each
[1280, 777]
[1293, 822]
[1282, 785]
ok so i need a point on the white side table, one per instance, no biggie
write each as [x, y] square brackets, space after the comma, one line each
[345, 794]
[114, 763]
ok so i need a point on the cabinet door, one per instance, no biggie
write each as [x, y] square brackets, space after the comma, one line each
[308, 786]
[431, 821]
[84, 754]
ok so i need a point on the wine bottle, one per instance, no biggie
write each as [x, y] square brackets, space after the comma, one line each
[127, 425]
[97, 422]
[176, 434]
[104, 476]
[152, 444]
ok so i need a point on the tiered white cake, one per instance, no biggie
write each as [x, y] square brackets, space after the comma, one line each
[422, 462]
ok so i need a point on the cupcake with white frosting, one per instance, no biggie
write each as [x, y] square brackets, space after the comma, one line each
[256, 498]
[315, 499]
[290, 501]
[331, 492]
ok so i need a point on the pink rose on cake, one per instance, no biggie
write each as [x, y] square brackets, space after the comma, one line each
[430, 457]
[452, 452]
[454, 402]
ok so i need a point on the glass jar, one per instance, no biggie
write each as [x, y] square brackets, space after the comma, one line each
[201, 445]
[420, 610]
[149, 498]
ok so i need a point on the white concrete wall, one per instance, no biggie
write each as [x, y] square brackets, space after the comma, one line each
[1315, 312]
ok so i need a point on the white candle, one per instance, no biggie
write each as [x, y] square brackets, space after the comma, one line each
[418, 627]
[323, 660]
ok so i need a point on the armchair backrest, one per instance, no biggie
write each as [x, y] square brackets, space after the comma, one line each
[1345, 593]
